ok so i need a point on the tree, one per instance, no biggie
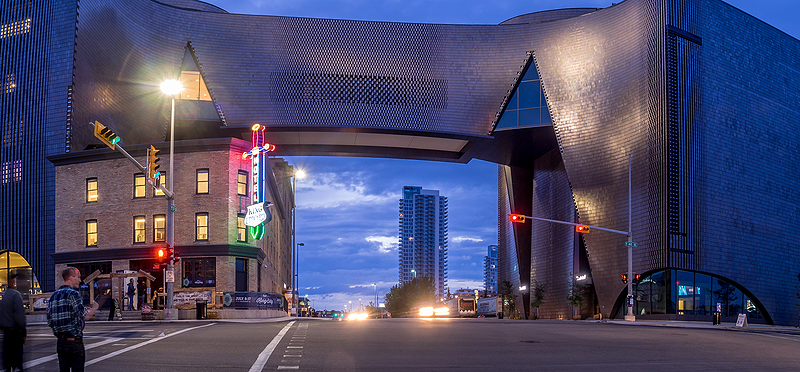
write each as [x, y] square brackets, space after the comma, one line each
[402, 297]
[575, 293]
[538, 292]
[507, 295]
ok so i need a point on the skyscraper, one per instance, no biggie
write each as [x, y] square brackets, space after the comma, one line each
[423, 236]
[490, 270]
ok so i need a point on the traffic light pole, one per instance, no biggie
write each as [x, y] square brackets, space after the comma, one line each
[630, 244]
[170, 201]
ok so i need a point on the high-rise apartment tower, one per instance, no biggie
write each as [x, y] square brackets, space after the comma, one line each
[423, 237]
[490, 270]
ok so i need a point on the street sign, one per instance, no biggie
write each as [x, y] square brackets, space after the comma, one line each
[630, 244]
[169, 276]
[255, 215]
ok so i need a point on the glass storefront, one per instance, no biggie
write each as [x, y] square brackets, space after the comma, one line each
[13, 262]
[688, 295]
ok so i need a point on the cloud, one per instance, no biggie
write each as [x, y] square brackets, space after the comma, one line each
[335, 190]
[459, 239]
[386, 243]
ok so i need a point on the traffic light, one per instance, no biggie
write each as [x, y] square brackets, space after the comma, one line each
[517, 218]
[152, 163]
[161, 254]
[106, 135]
[624, 278]
[636, 278]
[582, 229]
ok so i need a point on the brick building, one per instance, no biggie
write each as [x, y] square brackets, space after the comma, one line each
[109, 218]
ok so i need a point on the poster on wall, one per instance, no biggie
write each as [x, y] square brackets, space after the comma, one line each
[190, 298]
[252, 300]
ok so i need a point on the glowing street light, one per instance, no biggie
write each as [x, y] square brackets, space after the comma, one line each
[171, 88]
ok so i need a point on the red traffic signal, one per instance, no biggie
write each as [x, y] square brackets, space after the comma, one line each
[624, 278]
[161, 253]
[517, 218]
[582, 229]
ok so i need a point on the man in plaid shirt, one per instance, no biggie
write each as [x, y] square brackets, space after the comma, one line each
[66, 315]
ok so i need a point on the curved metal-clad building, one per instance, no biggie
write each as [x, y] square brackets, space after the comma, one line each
[701, 96]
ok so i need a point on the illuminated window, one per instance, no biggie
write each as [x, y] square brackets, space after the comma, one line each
[201, 226]
[242, 183]
[91, 190]
[241, 229]
[139, 185]
[15, 28]
[202, 181]
[194, 88]
[162, 180]
[11, 171]
[9, 84]
[91, 233]
[138, 229]
[160, 228]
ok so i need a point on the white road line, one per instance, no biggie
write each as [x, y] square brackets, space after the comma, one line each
[292, 356]
[262, 359]
[288, 367]
[48, 358]
[294, 347]
[129, 348]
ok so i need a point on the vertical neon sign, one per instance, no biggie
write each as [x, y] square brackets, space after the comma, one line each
[259, 176]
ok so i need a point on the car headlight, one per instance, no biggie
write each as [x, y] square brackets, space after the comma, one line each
[426, 311]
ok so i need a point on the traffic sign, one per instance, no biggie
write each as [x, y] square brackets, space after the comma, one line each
[630, 244]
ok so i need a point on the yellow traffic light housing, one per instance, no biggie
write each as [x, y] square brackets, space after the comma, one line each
[152, 163]
[582, 229]
[106, 135]
[517, 218]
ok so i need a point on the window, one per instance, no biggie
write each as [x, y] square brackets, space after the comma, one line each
[242, 183]
[202, 181]
[138, 185]
[12, 134]
[15, 28]
[199, 272]
[201, 226]
[91, 233]
[11, 171]
[91, 190]
[162, 180]
[138, 229]
[159, 228]
[194, 88]
[241, 229]
[241, 275]
[9, 85]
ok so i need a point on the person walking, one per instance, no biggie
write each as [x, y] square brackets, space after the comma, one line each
[67, 316]
[12, 321]
[131, 294]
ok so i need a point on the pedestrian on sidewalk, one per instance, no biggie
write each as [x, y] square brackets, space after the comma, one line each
[131, 294]
[141, 288]
[67, 316]
[12, 321]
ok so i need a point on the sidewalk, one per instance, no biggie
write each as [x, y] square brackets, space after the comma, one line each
[706, 325]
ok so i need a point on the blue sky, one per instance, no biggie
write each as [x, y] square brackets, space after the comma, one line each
[347, 214]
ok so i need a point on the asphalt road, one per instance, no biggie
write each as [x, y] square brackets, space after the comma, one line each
[418, 345]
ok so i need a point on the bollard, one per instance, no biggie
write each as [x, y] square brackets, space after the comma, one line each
[717, 317]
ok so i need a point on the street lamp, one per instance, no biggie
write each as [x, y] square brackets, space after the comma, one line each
[297, 277]
[171, 88]
[375, 286]
[295, 265]
[414, 272]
